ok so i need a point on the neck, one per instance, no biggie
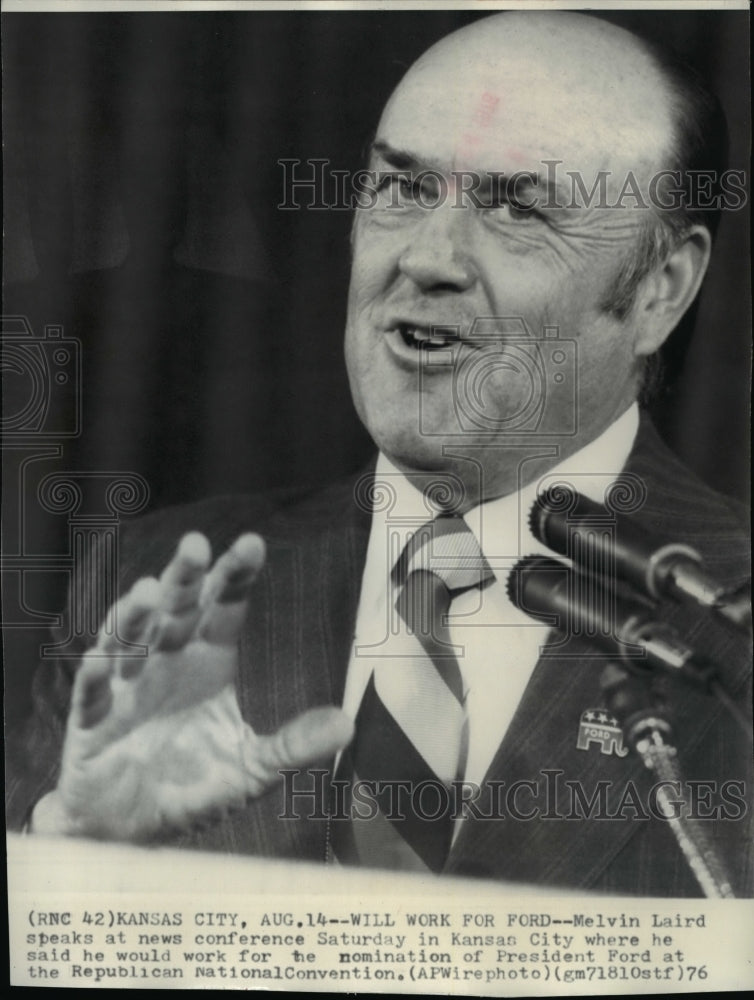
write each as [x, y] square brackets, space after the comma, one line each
[471, 474]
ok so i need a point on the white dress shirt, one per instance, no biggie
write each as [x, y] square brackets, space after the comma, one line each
[498, 645]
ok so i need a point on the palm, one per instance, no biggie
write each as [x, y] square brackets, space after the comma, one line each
[171, 747]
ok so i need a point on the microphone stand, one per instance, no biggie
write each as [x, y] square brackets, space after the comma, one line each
[649, 733]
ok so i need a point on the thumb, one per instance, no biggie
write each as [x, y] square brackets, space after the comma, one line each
[313, 736]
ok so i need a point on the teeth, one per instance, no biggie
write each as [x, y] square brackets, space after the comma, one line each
[421, 337]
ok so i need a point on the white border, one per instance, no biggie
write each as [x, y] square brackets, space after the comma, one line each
[84, 6]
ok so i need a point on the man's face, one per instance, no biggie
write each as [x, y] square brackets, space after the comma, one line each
[429, 254]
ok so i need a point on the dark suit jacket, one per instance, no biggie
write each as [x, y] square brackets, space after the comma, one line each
[294, 654]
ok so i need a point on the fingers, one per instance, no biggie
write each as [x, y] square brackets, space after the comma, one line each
[226, 589]
[91, 697]
[188, 600]
[161, 613]
[130, 618]
[129, 621]
[311, 737]
[181, 585]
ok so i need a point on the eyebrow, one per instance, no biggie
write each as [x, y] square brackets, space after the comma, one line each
[399, 158]
[525, 180]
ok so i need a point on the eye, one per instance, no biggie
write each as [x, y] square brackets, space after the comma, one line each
[402, 189]
[394, 189]
[507, 211]
[515, 200]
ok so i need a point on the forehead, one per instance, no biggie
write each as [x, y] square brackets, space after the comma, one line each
[467, 107]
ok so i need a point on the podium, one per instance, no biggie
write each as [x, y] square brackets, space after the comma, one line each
[89, 914]
[78, 865]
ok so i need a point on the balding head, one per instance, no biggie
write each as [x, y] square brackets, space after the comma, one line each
[582, 114]
[577, 88]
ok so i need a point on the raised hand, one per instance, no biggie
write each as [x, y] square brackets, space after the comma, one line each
[157, 742]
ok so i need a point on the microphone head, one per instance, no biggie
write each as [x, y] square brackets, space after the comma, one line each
[533, 581]
[536, 517]
[517, 571]
[548, 515]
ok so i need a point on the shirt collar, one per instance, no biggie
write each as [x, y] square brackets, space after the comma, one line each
[501, 526]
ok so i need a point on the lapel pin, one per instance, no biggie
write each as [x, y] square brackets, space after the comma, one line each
[598, 726]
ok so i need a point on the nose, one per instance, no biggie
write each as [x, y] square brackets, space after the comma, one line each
[436, 257]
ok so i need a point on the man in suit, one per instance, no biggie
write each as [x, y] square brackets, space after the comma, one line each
[249, 655]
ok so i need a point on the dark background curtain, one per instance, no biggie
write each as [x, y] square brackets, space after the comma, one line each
[141, 184]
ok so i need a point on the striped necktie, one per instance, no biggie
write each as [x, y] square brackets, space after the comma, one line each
[411, 728]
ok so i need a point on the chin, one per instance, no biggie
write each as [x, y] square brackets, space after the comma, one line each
[413, 453]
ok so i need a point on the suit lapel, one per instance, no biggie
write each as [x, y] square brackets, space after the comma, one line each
[547, 786]
[556, 780]
[308, 596]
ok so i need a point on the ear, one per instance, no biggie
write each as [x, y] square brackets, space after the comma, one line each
[668, 291]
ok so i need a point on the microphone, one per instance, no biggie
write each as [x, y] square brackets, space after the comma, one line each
[621, 626]
[576, 529]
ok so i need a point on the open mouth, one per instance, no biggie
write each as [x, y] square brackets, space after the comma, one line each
[423, 338]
